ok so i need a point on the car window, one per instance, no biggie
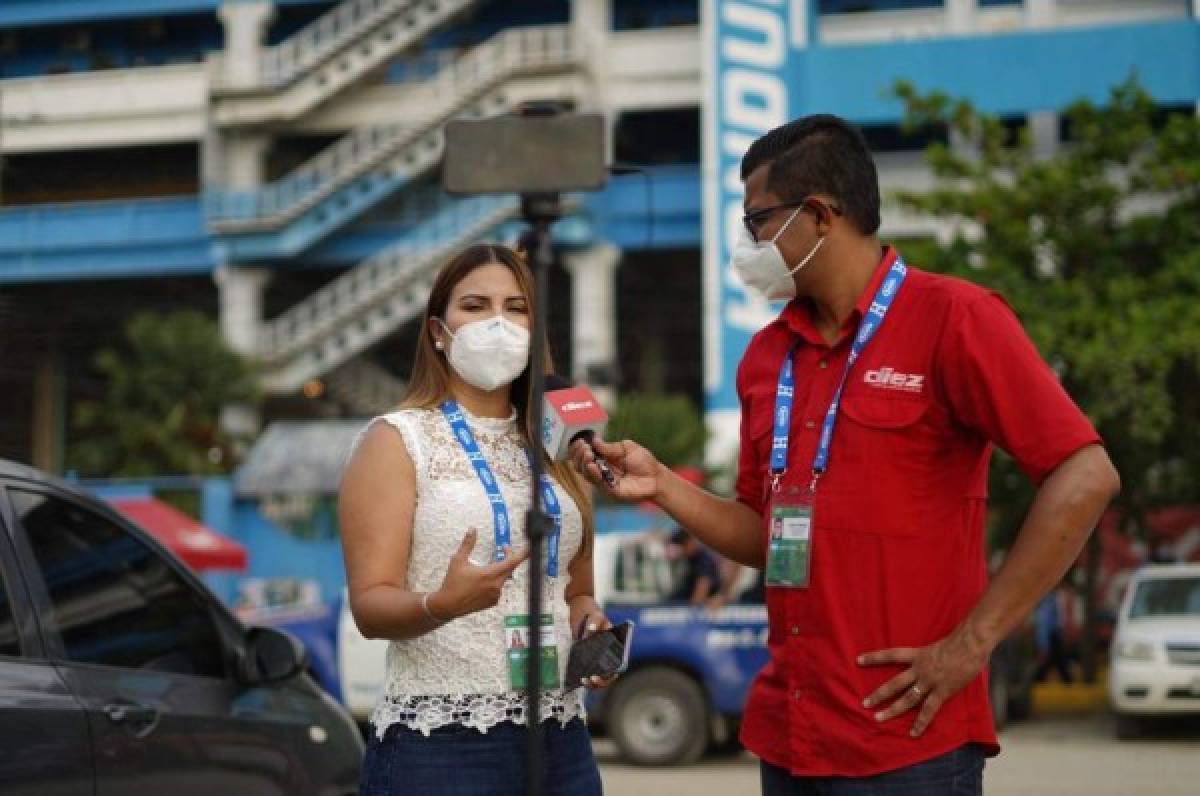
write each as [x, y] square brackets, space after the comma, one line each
[1166, 597]
[10, 645]
[116, 601]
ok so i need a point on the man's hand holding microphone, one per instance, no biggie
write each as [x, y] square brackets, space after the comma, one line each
[628, 472]
[575, 422]
[635, 472]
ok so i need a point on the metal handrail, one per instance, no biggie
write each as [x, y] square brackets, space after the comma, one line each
[324, 36]
[505, 55]
[451, 223]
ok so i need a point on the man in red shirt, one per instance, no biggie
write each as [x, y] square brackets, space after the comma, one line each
[869, 411]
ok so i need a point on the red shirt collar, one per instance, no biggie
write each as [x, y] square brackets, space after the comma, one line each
[798, 315]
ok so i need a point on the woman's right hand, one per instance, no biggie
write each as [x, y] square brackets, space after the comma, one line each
[466, 587]
[637, 473]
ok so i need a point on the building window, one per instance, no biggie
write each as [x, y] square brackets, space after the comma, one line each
[854, 6]
[639, 15]
[658, 137]
[894, 138]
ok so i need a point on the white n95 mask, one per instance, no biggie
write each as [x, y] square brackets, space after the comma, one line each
[490, 353]
[760, 264]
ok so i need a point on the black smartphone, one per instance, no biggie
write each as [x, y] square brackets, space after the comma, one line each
[601, 654]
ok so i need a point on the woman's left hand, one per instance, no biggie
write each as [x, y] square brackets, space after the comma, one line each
[586, 619]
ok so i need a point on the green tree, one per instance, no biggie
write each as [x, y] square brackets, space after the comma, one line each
[1097, 248]
[670, 426]
[165, 387]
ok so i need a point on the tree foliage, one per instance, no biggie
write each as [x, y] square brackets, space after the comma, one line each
[1097, 248]
[670, 426]
[165, 386]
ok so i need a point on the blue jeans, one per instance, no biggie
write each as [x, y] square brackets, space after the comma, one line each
[459, 761]
[957, 773]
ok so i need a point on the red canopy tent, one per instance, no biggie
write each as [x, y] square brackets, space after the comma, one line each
[199, 546]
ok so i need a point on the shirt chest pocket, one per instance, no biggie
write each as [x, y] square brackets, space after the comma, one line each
[880, 465]
[884, 413]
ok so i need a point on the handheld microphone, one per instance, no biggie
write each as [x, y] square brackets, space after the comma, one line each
[573, 413]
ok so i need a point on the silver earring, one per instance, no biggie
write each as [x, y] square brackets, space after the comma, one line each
[439, 345]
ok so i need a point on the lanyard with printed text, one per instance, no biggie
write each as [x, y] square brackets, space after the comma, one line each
[501, 527]
[785, 393]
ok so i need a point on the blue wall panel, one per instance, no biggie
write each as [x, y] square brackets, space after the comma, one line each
[656, 210]
[99, 240]
[1013, 73]
[275, 553]
[28, 13]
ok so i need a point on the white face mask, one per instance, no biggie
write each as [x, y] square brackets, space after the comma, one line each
[490, 353]
[761, 266]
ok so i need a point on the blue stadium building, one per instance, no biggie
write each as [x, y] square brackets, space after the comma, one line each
[276, 164]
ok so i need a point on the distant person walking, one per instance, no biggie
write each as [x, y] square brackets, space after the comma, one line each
[1049, 639]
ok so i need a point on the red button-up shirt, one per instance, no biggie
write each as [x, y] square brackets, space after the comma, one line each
[898, 525]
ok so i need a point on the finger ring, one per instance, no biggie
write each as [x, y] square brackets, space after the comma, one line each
[916, 689]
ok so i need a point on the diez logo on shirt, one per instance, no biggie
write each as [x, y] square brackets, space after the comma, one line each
[889, 379]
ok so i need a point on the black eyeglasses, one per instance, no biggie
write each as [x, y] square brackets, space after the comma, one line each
[757, 218]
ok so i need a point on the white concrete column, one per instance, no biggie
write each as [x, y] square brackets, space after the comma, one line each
[1043, 129]
[594, 315]
[591, 26]
[240, 301]
[48, 425]
[243, 160]
[960, 16]
[591, 18]
[1040, 13]
[246, 23]
[240, 298]
[1043, 126]
[1196, 15]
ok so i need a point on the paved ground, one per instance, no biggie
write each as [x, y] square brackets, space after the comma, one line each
[1060, 756]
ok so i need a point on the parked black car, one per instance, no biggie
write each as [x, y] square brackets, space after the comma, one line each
[121, 673]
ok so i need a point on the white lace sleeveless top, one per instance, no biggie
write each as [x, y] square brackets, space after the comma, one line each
[457, 673]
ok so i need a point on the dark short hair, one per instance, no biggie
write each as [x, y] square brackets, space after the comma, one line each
[820, 154]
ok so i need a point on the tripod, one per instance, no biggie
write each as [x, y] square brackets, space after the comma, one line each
[538, 153]
[540, 210]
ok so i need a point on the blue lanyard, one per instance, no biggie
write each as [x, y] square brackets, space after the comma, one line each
[500, 524]
[785, 393]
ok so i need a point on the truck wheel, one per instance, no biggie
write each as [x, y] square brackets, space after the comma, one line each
[726, 744]
[1128, 727]
[1020, 706]
[658, 717]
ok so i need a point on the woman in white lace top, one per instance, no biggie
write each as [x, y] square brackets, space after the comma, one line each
[430, 567]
